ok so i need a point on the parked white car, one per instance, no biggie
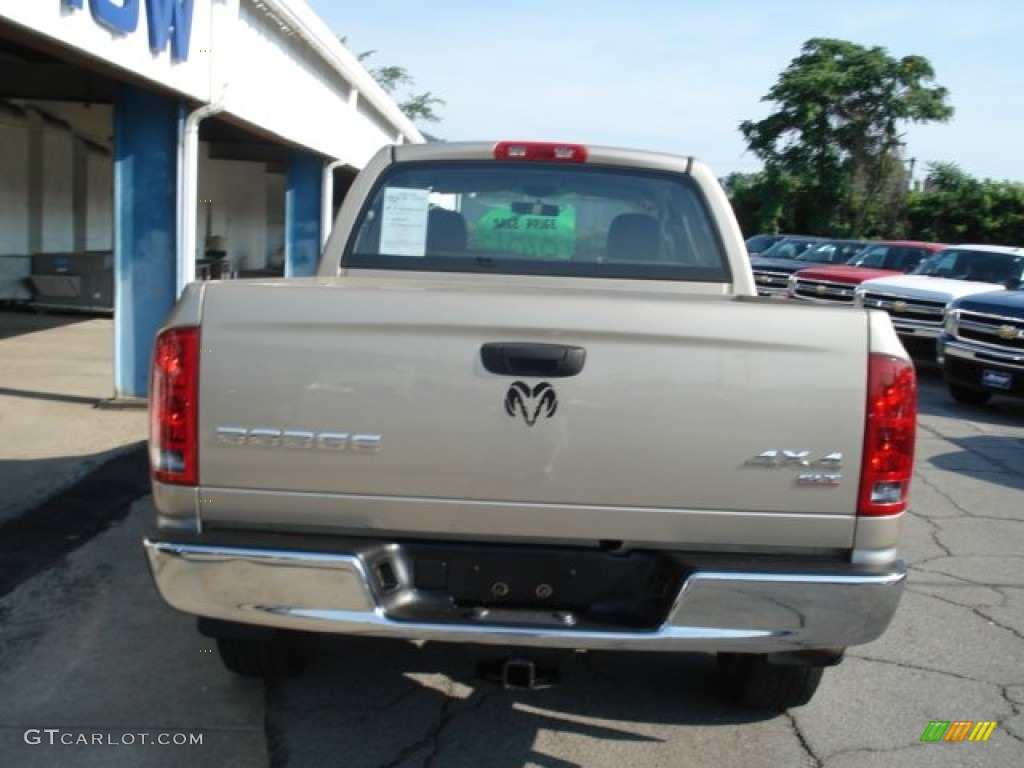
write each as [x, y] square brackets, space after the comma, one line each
[917, 301]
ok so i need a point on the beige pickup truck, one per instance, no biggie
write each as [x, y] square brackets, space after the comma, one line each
[532, 401]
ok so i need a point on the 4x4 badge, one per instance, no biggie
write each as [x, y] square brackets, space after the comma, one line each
[531, 404]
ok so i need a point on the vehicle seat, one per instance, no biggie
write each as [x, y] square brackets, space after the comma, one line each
[446, 231]
[633, 237]
[980, 271]
[909, 261]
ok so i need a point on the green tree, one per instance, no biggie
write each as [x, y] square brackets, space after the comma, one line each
[836, 132]
[949, 208]
[418, 107]
[761, 201]
[1007, 213]
[955, 207]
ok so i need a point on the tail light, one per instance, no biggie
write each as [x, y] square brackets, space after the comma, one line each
[540, 151]
[889, 434]
[174, 406]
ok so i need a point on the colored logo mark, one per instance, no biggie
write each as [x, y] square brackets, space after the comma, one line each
[959, 730]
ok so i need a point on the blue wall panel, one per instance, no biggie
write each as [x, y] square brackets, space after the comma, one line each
[302, 214]
[146, 130]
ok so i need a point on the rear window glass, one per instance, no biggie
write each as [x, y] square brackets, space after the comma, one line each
[520, 218]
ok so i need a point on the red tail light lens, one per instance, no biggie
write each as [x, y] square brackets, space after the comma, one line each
[174, 406]
[540, 151]
[889, 434]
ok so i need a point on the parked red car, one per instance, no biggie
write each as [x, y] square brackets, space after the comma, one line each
[835, 283]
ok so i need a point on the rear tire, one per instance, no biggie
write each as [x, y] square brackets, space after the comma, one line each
[285, 654]
[967, 396]
[752, 681]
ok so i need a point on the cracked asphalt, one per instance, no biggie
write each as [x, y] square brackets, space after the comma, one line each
[86, 646]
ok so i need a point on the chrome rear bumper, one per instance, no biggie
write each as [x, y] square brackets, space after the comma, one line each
[715, 610]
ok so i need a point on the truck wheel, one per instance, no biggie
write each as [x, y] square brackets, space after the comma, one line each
[750, 680]
[969, 396]
[285, 654]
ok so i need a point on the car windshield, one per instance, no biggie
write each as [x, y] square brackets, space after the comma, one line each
[538, 218]
[966, 264]
[898, 257]
[787, 249]
[759, 243]
[831, 253]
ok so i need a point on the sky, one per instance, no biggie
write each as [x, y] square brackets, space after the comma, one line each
[681, 75]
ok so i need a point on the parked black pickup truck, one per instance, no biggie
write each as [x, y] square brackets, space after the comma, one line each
[981, 348]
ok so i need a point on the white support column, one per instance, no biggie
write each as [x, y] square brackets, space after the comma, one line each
[188, 199]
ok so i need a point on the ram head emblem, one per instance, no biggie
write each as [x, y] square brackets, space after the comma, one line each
[531, 403]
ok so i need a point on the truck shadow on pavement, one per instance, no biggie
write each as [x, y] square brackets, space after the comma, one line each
[991, 458]
[49, 397]
[17, 322]
[69, 516]
[1000, 411]
[394, 703]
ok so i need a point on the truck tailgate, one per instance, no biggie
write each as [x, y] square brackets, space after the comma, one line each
[360, 402]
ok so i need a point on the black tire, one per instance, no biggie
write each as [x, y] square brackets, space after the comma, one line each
[286, 654]
[750, 680]
[967, 396]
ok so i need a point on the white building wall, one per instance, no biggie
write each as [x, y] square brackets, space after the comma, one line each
[275, 219]
[234, 199]
[39, 191]
[323, 113]
[13, 181]
[57, 189]
[247, 224]
[99, 216]
[242, 199]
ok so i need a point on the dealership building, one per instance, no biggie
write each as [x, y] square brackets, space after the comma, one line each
[148, 143]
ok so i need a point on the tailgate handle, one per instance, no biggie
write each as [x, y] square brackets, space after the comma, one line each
[526, 359]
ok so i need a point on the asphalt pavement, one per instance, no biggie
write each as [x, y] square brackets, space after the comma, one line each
[72, 459]
[58, 419]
